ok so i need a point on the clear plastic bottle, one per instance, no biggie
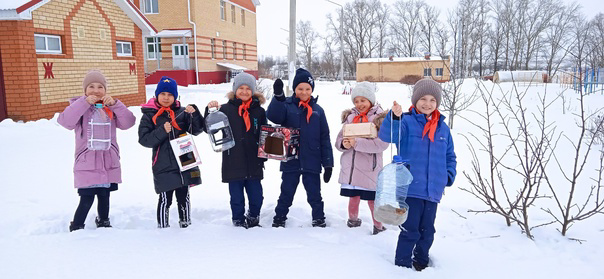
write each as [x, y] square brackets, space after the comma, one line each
[99, 129]
[393, 184]
[219, 130]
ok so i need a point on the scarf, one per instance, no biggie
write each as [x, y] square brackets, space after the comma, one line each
[170, 112]
[107, 110]
[246, 115]
[430, 127]
[309, 109]
[362, 117]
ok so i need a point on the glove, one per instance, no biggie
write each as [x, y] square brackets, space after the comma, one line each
[278, 90]
[327, 174]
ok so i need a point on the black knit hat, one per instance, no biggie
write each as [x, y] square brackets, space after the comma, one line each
[303, 75]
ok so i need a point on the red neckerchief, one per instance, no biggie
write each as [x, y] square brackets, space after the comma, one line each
[431, 124]
[170, 112]
[362, 117]
[246, 115]
[307, 106]
[106, 109]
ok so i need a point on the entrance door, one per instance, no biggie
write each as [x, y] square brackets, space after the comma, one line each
[180, 57]
[3, 113]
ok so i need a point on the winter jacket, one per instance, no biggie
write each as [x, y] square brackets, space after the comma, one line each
[362, 163]
[241, 161]
[166, 173]
[95, 166]
[433, 164]
[315, 145]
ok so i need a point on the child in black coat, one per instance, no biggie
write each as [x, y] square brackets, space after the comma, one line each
[164, 119]
[241, 167]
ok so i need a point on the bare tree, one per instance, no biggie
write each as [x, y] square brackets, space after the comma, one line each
[307, 37]
[405, 26]
[558, 37]
[428, 26]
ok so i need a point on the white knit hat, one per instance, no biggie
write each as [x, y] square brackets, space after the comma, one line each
[364, 89]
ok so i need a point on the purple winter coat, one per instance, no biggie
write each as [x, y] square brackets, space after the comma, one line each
[95, 167]
[361, 164]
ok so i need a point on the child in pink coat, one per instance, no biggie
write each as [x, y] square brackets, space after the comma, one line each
[96, 172]
[361, 157]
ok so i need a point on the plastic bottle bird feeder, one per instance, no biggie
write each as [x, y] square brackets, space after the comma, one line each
[219, 131]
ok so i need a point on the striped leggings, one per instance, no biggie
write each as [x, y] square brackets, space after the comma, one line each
[184, 207]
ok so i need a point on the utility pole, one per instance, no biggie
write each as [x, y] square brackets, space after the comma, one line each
[341, 41]
[292, 47]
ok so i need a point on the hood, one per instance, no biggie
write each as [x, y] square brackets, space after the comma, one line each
[375, 110]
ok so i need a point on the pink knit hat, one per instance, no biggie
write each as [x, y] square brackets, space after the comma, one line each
[94, 76]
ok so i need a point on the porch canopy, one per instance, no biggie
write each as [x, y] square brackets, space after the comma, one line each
[232, 66]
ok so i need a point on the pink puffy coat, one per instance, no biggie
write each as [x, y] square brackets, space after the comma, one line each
[95, 167]
[361, 164]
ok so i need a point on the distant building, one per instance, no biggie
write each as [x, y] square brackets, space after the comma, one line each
[47, 47]
[218, 42]
[395, 69]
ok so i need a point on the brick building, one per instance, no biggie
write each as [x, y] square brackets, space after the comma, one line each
[200, 41]
[47, 46]
[397, 68]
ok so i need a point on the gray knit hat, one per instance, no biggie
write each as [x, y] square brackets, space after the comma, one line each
[364, 89]
[94, 76]
[244, 78]
[425, 87]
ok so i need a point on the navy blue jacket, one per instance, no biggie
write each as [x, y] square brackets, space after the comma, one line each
[433, 164]
[315, 145]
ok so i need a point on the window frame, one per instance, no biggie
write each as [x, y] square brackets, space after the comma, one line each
[213, 48]
[429, 72]
[233, 14]
[46, 50]
[243, 52]
[223, 10]
[123, 54]
[243, 17]
[441, 72]
[234, 51]
[224, 50]
[150, 11]
[154, 44]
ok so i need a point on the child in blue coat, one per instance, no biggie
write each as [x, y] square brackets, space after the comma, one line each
[302, 111]
[426, 144]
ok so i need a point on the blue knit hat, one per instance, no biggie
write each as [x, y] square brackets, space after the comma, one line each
[303, 75]
[167, 84]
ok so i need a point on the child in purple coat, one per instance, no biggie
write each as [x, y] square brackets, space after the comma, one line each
[96, 172]
[361, 157]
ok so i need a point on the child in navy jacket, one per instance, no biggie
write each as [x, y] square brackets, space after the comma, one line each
[302, 111]
[426, 144]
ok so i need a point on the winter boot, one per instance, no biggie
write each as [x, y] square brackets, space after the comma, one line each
[354, 223]
[419, 267]
[376, 230]
[252, 221]
[319, 223]
[240, 223]
[102, 223]
[184, 224]
[279, 222]
[73, 227]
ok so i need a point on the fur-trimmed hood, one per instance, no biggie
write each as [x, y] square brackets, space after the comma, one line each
[376, 110]
[258, 95]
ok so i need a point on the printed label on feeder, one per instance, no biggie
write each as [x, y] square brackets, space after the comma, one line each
[217, 126]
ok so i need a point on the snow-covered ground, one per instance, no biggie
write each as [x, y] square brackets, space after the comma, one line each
[37, 201]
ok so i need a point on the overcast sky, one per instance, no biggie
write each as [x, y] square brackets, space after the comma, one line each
[272, 15]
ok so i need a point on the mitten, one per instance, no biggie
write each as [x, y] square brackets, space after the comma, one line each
[327, 174]
[278, 90]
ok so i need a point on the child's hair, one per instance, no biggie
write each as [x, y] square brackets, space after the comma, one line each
[167, 84]
[364, 89]
[425, 87]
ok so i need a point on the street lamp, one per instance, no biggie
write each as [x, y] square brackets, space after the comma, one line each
[341, 41]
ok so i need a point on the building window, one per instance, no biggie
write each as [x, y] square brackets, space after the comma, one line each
[439, 72]
[233, 13]
[234, 51]
[48, 43]
[243, 52]
[224, 49]
[242, 17]
[151, 7]
[428, 72]
[123, 48]
[213, 45]
[222, 11]
[152, 47]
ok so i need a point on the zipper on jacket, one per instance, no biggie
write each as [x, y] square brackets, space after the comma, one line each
[354, 152]
[374, 161]
[80, 154]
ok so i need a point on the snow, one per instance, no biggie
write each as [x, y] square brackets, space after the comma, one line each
[37, 200]
[400, 59]
[13, 4]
